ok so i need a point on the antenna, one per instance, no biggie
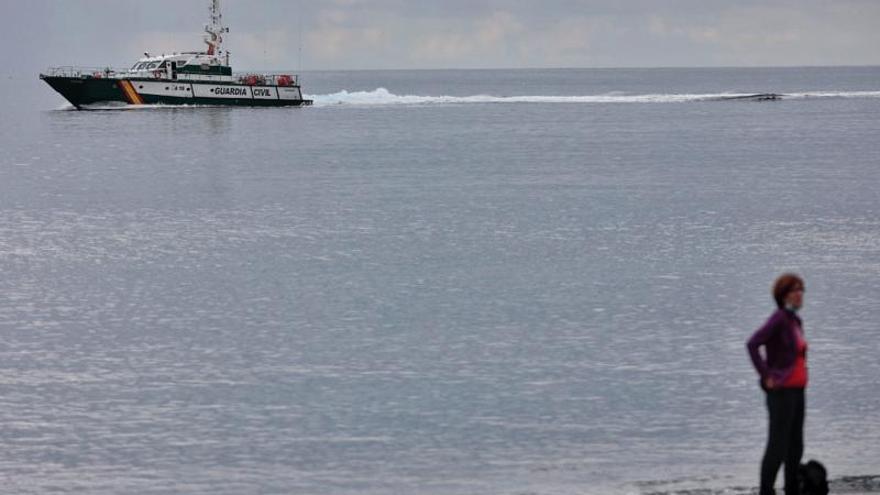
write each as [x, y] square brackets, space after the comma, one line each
[213, 39]
[299, 16]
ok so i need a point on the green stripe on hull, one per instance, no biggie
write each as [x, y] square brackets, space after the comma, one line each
[233, 102]
[80, 91]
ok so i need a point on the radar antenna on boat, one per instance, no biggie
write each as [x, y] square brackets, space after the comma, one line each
[215, 30]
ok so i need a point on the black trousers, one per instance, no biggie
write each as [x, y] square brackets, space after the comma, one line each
[785, 440]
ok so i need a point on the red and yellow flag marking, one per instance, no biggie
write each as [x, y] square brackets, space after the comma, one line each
[129, 92]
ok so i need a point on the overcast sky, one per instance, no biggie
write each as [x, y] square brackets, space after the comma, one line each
[422, 34]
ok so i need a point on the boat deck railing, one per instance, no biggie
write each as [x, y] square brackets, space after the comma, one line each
[278, 78]
[82, 72]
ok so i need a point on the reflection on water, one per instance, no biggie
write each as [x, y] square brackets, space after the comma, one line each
[502, 299]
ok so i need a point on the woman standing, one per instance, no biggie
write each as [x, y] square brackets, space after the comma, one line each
[783, 370]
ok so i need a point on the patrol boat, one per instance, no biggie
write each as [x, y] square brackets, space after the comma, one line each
[187, 78]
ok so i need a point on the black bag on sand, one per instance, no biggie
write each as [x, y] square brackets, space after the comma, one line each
[813, 478]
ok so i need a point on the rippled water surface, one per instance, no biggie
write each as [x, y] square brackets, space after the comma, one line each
[439, 282]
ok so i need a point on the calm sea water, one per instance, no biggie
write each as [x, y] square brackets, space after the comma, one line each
[436, 282]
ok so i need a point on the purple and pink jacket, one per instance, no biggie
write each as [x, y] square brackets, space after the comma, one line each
[779, 338]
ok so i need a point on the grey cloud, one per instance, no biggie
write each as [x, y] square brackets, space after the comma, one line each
[361, 34]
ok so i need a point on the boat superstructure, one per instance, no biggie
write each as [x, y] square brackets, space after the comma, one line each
[194, 78]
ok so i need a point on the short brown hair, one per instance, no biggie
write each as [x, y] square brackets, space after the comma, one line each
[786, 283]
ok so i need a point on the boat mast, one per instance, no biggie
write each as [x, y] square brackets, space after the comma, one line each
[214, 38]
